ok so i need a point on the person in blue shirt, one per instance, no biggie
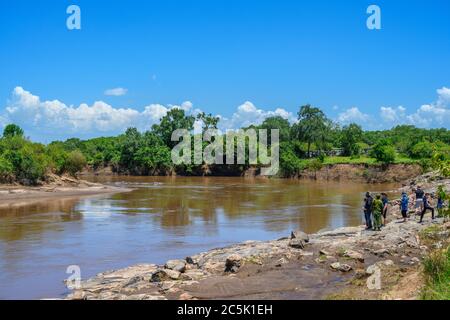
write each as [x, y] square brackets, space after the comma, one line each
[404, 202]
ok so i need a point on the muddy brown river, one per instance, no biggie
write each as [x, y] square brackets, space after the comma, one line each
[163, 218]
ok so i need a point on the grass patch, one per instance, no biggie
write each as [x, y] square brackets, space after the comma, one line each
[436, 266]
[365, 160]
[437, 275]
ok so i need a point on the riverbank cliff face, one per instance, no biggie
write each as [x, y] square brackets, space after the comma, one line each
[346, 263]
[332, 172]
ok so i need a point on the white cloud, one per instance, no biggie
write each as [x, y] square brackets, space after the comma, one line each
[248, 114]
[53, 119]
[117, 92]
[444, 95]
[435, 114]
[3, 122]
[352, 115]
[430, 115]
[393, 115]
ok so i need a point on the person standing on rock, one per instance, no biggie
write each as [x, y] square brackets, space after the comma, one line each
[368, 206]
[426, 206]
[385, 200]
[377, 212]
[419, 199]
[440, 200]
[404, 202]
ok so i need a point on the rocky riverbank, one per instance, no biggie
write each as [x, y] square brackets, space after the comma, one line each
[344, 263]
[331, 264]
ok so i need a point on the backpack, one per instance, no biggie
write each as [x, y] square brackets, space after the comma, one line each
[369, 203]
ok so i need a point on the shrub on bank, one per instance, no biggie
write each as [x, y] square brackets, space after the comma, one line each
[437, 275]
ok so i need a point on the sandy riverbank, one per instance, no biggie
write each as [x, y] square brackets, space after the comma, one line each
[57, 188]
[333, 264]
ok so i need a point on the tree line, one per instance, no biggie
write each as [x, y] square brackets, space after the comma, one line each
[308, 143]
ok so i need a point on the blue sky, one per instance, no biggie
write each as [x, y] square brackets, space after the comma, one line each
[243, 60]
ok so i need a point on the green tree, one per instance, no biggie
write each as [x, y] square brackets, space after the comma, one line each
[383, 152]
[208, 120]
[12, 130]
[279, 123]
[131, 142]
[75, 162]
[6, 170]
[350, 136]
[313, 127]
[422, 150]
[173, 120]
[29, 163]
[154, 159]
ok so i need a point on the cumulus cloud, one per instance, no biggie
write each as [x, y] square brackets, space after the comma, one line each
[393, 115]
[436, 114]
[352, 115]
[117, 92]
[3, 122]
[432, 115]
[248, 114]
[53, 119]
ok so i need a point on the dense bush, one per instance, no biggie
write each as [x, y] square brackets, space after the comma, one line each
[6, 170]
[421, 150]
[74, 163]
[383, 152]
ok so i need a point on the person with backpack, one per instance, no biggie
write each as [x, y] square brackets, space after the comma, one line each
[426, 206]
[368, 206]
[404, 202]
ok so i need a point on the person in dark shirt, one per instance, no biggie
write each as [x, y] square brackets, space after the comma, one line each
[385, 201]
[419, 199]
[426, 206]
[368, 207]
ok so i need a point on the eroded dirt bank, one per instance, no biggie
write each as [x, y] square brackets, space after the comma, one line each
[327, 265]
[364, 173]
[335, 172]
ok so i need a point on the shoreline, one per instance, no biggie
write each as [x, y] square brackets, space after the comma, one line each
[334, 264]
[62, 189]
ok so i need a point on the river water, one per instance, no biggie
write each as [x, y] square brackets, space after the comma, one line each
[163, 218]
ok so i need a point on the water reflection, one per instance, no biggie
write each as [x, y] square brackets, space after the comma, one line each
[162, 218]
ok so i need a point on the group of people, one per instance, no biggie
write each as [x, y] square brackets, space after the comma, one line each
[375, 209]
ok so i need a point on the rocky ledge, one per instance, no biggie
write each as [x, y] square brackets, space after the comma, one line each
[300, 266]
